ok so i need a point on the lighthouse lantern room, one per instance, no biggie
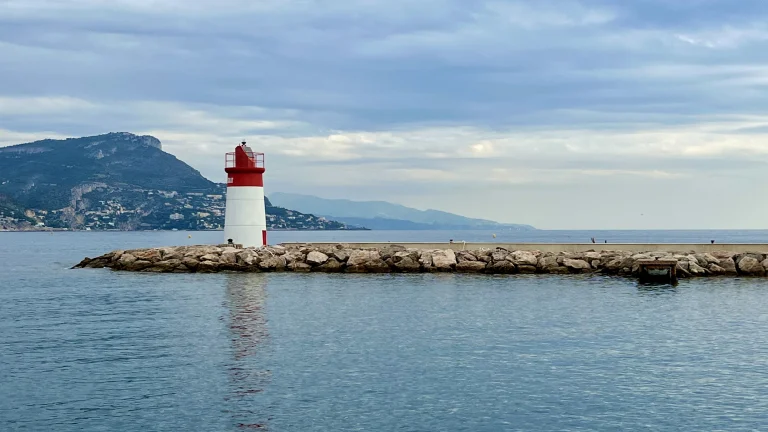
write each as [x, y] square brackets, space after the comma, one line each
[245, 220]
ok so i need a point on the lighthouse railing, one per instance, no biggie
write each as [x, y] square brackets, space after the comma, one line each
[256, 159]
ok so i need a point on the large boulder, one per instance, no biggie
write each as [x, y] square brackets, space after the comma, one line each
[190, 263]
[293, 256]
[316, 258]
[444, 260]
[754, 255]
[462, 256]
[749, 265]
[682, 270]
[388, 251]
[577, 265]
[299, 267]
[483, 255]
[716, 269]
[126, 259]
[407, 264]
[330, 266]
[171, 253]
[358, 268]
[614, 265]
[341, 255]
[167, 266]
[151, 255]
[547, 263]
[202, 250]
[327, 250]
[360, 257]
[247, 258]
[499, 255]
[526, 269]
[366, 261]
[705, 259]
[138, 265]
[98, 262]
[557, 270]
[470, 266]
[229, 256]
[501, 267]
[523, 258]
[208, 266]
[696, 270]
[412, 254]
[593, 256]
[728, 264]
[373, 266]
[195, 251]
[272, 263]
[425, 260]
[209, 257]
[377, 266]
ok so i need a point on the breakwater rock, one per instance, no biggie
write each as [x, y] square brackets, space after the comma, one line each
[399, 259]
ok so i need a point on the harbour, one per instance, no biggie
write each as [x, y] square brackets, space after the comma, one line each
[116, 350]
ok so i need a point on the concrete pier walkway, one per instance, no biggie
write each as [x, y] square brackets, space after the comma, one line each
[558, 247]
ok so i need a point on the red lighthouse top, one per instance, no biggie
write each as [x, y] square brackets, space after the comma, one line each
[244, 167]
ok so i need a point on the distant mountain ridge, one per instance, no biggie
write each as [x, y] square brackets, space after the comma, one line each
[384, 215]
[116, 181]
[43, 173]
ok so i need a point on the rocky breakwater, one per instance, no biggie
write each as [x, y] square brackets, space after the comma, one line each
[398, 259]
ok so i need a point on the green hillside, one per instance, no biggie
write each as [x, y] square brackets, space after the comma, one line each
[116, 181]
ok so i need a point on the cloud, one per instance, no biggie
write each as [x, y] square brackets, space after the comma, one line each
[416, 101]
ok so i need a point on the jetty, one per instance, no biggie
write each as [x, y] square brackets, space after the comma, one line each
[677, 260]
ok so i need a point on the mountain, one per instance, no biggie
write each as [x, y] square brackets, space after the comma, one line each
[116, 181]
[384, 215]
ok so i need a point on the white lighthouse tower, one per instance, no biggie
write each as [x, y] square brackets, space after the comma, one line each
[245, 220]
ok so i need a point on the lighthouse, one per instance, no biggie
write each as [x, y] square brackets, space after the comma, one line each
[245, 220]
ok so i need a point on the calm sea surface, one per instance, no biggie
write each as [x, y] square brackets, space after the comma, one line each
[96, 350]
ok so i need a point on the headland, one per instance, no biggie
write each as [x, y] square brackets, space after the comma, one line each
[484, 258]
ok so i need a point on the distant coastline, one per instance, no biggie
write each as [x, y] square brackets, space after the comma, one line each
[38, 229]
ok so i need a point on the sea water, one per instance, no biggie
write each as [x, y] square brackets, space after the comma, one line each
[97, 350]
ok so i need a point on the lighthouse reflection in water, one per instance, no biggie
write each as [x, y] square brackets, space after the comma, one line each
[246, 320]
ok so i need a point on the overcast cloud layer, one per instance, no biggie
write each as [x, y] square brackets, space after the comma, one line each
[560, 114]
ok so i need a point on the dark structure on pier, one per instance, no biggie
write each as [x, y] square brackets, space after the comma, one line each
[658, 271]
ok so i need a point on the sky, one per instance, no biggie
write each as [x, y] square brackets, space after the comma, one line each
[591, 114]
